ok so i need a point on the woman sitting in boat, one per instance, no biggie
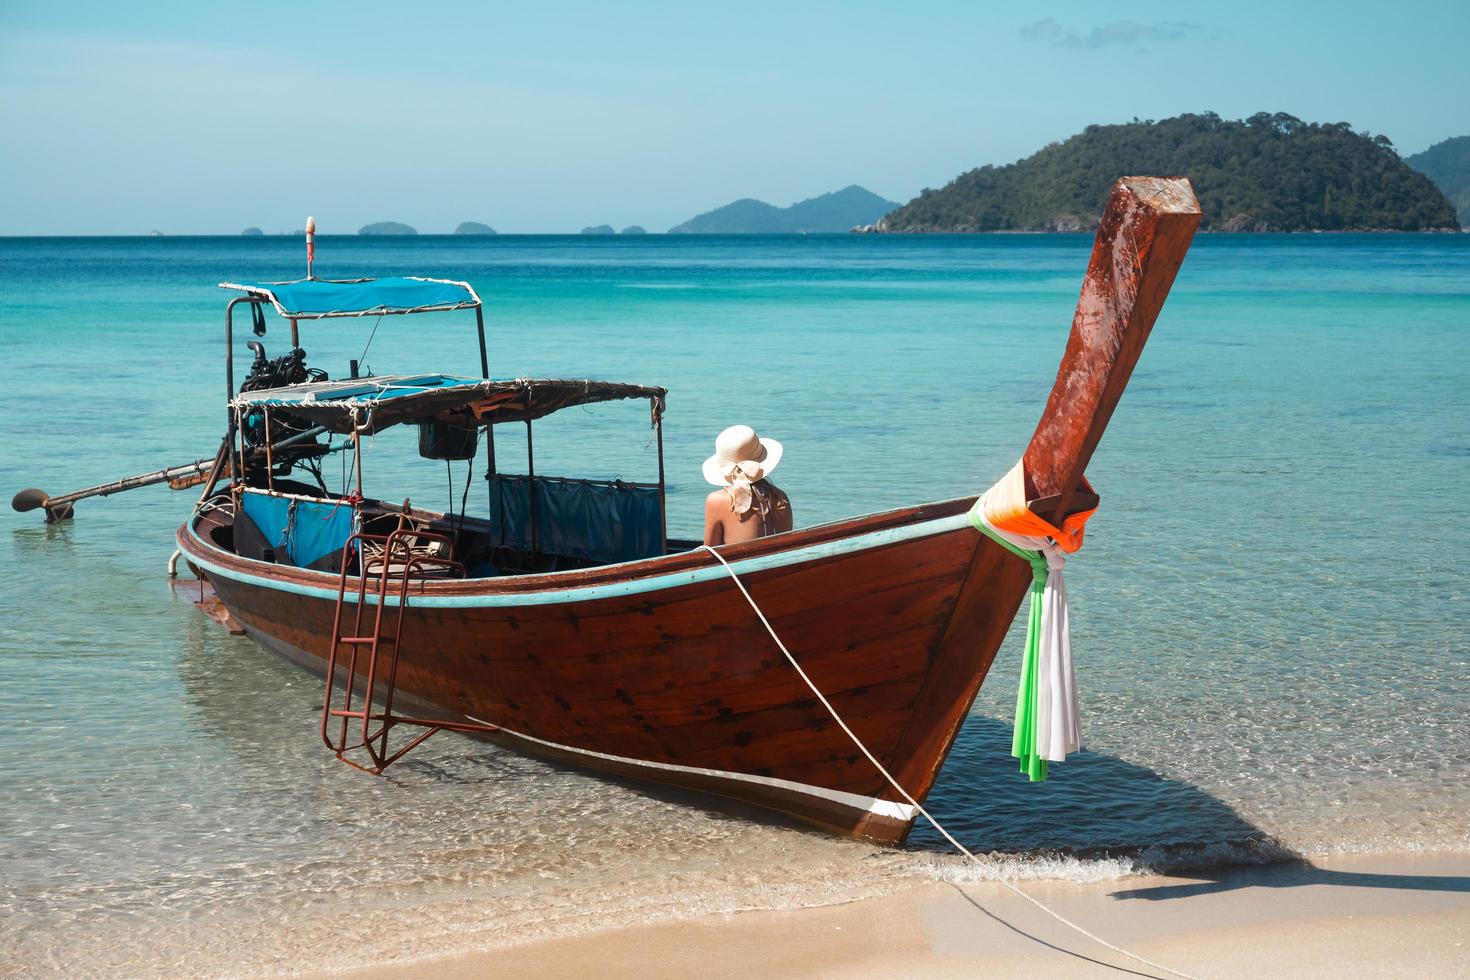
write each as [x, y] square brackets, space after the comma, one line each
[747, 505]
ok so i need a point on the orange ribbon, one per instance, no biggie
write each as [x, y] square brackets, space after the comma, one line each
[1004, 506]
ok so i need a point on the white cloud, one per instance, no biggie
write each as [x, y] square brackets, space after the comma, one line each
[1118, 33]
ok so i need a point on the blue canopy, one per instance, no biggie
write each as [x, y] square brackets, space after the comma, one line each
[363, 392]
[312, 299]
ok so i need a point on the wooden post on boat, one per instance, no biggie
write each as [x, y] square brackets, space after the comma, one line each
[1145, 230]
[310, 252]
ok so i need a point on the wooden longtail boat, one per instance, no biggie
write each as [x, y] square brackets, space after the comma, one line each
[625, 652]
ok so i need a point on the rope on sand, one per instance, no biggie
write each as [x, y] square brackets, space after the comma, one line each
[915, 803]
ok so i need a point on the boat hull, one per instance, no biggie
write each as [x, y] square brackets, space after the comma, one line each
[660, 670]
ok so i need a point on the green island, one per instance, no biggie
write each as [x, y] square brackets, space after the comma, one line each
[1271, 172]
[1448, 165]
[387, 228]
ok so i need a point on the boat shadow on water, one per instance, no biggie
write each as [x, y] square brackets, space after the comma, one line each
[1099, 807]
[1093, 807]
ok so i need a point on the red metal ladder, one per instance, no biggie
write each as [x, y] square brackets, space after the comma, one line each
[398, 563]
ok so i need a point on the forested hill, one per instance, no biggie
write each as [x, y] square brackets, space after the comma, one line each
[838, 211]
[1266, 173]
[1448, 165]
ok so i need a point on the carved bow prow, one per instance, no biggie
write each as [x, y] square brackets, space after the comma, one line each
[1145, 231]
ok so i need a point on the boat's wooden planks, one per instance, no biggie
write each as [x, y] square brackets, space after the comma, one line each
[748, 712]
[995, 586]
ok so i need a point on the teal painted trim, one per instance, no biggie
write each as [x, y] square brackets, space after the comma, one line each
[609, 590]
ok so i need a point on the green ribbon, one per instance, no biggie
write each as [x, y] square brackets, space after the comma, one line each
[1023, 739]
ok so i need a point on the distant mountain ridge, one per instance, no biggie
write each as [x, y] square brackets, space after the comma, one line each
[1271, 172]
[1448, 165]
[387, 228]
[838, 211]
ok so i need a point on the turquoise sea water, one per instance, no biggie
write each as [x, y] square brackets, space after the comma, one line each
[1269, 616]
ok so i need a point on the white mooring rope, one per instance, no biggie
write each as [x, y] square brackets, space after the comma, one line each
[915, 803]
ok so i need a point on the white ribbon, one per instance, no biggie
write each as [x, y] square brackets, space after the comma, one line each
[1058, 714]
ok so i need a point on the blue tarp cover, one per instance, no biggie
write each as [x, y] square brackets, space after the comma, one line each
[603, 521]
[365, 391]
[308, 299]
[302, 531]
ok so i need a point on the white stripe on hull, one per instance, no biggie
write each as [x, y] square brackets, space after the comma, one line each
[867, 804]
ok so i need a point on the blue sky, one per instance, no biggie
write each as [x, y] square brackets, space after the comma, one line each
[203, 118]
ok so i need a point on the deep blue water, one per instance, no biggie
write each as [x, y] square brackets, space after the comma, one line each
[1269, 616]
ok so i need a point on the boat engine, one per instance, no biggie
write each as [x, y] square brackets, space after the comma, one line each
[266, 373]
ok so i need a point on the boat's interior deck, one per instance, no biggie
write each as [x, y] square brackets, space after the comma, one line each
[578, 525]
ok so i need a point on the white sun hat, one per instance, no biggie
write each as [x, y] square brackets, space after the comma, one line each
[741, 456]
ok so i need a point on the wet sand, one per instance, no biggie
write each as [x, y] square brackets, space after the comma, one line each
[1349, 916]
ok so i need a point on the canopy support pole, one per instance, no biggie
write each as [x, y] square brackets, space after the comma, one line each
[531, 485]
[663, 504]
[489, 427]
[480, 328]
[270, 466]
[357, 460]
[230, 429]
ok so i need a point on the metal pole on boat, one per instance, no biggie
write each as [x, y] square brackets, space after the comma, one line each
[531, 480]
[489, 426]
[270, 466]
[59, 508]
[357, 461]
[484, 356]
[663, 506]
[231, 429]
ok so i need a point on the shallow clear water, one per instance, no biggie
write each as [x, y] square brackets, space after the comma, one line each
[1269, 616]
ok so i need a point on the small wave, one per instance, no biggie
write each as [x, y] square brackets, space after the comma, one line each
[1102, 864]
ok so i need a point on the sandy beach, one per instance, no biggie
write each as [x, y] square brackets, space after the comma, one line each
[1404, 915]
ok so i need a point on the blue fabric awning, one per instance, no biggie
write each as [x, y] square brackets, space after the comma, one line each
[312, 299]
[365, 392]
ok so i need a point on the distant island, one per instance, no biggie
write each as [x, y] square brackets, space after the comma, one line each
[1448, 165]
[634, 230]
[387, 228]
[473, 228]
[599, 230]
[838, 211]
[252, 232]
[1271, 172]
